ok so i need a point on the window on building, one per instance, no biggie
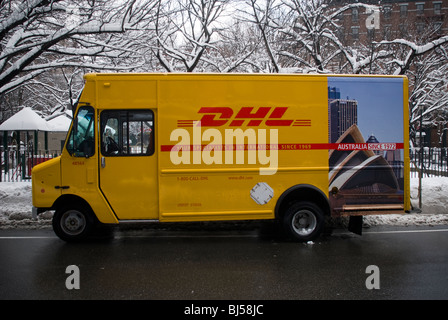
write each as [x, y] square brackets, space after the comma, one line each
[437, 27]
[387, 12]
[420, 27]
[355, 33]
[403, 10]
[420, 8]
[437, 7]
[371, 34]
[355, 15]
[403, 30]
[387, 32]
[341, 33]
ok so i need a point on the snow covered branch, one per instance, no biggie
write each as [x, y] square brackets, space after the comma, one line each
[414, 50]
[185, 32]
[34, 34]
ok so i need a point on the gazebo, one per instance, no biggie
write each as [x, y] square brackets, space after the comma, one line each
[24, 120]
[60, 123]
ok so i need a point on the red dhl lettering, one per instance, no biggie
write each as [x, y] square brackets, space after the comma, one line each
[245, 116]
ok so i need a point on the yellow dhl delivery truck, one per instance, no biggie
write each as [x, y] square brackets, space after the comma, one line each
[209, 147]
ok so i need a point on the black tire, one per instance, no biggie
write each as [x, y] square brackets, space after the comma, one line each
[72, 223]
[303, 221]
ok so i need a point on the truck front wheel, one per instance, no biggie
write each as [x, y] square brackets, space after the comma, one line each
[72, 223]
[303, 221]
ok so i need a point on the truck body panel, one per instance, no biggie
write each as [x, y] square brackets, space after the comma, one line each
[196, 147]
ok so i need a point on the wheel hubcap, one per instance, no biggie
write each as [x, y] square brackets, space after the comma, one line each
[304, 222]
[73, 222]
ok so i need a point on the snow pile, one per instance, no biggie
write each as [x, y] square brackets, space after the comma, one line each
[415, 219]
[16, 204]
[434, 195]
[15, 200]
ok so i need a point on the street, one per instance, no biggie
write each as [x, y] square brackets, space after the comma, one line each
[222, 264]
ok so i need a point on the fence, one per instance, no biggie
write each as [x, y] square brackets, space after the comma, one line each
[17, 163]
[432, 162]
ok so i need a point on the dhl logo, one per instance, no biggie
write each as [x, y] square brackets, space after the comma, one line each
[249, 116]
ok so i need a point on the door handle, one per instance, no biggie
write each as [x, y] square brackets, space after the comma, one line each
[103, 162]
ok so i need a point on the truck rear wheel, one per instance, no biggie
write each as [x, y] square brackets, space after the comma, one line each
[303, 221]
[72, 223]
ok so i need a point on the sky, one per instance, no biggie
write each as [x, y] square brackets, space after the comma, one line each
[380, 105]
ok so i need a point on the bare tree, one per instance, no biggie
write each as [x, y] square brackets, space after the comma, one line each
[38, 35]
[265, 15]
[429, 94]
[236, 51]
[304, 34]
[414, 50]
[185, 31]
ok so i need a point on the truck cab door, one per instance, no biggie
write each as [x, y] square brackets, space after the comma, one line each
[79, 158]
[128, 175]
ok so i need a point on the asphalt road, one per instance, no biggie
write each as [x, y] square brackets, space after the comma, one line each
[212, 263]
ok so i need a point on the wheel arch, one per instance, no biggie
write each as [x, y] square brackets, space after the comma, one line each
[70, 199]
[302, 192]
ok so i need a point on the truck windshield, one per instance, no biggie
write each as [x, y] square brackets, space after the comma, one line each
[81, 142]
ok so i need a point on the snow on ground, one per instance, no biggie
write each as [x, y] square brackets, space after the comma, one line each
[15, 207]
[16, 203]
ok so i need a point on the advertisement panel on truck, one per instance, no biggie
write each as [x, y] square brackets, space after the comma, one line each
[366, 133]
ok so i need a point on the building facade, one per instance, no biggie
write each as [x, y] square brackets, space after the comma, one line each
[415, 20]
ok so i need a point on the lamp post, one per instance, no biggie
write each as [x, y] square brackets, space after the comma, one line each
[420, 172]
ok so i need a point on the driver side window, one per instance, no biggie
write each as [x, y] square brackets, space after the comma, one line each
[81, 141]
